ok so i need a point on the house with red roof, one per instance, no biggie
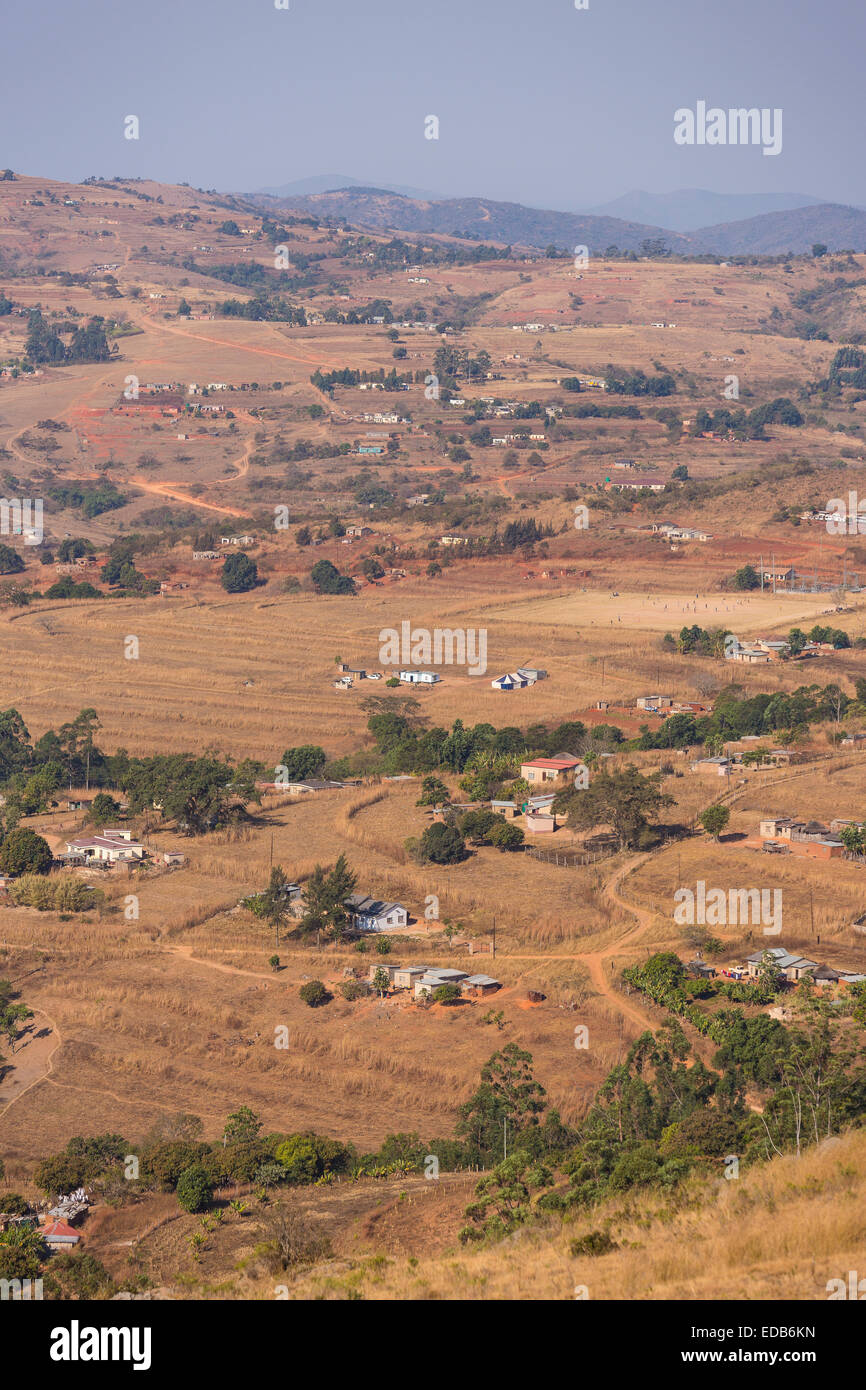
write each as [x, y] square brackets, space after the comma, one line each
[59, 1235]
[549, 771]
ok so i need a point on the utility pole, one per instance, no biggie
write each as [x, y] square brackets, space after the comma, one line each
[504, 1138]
[494, 936]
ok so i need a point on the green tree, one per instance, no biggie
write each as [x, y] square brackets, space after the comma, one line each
[325, 897]
[623, 799]
[242, 1126]
[746, 577]
[25, 852]
[446, 994]
[10, 560]
[714, 820]
[303, 762]
[381, 982]
[239, 573]
[506, 837]
[327, 579]
[442, 844]
[103, 808]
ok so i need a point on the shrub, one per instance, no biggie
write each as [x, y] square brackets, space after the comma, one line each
[315, 994]
[194, 1190]
[594, 1243]
[354, 989]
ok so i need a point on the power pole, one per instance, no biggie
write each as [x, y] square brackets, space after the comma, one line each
[494, 936]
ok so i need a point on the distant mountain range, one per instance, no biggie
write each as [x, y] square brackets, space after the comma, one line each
[687, 209]
[772, 231]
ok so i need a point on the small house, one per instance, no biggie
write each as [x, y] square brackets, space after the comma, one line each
[59, 1235]
[372, 914]
[556, 770]
[478, 985]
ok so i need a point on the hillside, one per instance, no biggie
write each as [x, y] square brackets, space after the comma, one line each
[479, 218]
[841, 227]
[687, 209]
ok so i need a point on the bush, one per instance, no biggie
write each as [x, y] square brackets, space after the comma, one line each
[315, 994]
[194, 1190]
[63, 894]
[354, 989]
[594, 1243]
[446, 994]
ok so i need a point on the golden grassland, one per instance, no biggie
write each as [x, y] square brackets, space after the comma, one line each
[781, 1231]
[251, 675]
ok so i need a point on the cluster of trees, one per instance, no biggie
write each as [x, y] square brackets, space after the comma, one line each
[396, 253]
[736, 716]
[747, 424]
[797, 639]
[264, 309]
[44, 344]
[200, 793]
[327, 579]
[640, 384]
[91, 499]
[698, 641]
[350, 376]
[623, 798]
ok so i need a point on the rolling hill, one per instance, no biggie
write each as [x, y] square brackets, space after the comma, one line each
[479, 218]
[793, 229]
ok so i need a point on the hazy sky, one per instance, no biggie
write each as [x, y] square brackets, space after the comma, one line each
[538, 102]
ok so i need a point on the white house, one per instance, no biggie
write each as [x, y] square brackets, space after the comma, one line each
[112, 847]
[371, 914]
[419, 677]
